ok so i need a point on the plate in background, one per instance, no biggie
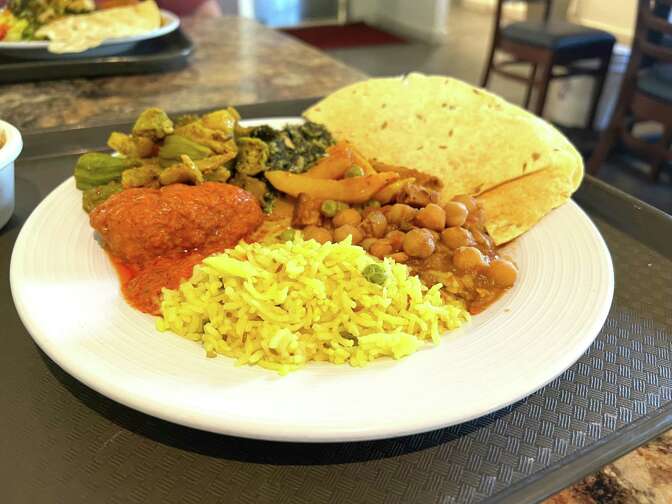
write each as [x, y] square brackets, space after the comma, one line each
[38, 49]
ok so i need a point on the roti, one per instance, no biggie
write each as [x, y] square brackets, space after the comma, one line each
[77, 33]
[474, 141]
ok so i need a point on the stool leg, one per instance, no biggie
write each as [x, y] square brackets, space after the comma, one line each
[659, 158]
[530, 85]
[608, 137]
[543, 88]
[598, 87]
[488, 65]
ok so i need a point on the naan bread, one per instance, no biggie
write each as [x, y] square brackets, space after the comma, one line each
[77, 33]
[474, 141]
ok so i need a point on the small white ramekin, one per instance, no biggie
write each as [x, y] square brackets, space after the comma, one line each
[8, 154]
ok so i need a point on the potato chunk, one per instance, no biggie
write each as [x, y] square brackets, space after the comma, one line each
[350, 190]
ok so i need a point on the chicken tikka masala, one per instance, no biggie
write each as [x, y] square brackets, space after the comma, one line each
[156, 236]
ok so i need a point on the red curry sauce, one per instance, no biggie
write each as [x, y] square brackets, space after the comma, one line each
[141, 287]
[156, 236]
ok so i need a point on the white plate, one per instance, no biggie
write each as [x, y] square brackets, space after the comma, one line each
[38, 49]
[68, 297]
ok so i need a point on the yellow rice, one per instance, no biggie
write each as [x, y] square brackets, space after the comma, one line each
[282, 305]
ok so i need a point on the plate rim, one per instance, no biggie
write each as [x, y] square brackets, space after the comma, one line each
[109, 388]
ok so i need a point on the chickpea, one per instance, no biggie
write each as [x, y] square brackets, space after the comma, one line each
[367, 242]
[468, 201]
[431, 217]
[342, 232]
[419, 243]
[366, 210]
[319, 234]
[375, 224]
[396, 239]
[348, 216]
[456, 213]
[399, 257]
[381, 248]
[455, 237]
[502, 272]
[400, 213]
[469, 258]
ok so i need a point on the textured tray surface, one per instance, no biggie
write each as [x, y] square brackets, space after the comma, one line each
[61, 438]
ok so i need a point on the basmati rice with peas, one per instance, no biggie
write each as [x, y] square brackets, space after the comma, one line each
[282, 305]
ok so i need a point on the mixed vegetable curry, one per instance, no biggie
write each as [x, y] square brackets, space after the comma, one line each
[177, 191]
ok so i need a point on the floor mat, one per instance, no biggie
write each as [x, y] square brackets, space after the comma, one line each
[349, 35]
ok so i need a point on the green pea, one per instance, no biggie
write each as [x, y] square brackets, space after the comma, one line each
[287, 235]
[355, 171]
[375, 273]
[372, 204]
[329, 208]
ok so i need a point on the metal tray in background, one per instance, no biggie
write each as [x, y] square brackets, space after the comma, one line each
[60, 438]
[162, 54]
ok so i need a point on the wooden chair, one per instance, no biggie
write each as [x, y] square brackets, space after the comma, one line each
[548, 45]
[646, 92]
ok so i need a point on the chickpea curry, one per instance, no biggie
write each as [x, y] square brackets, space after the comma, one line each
[441, 243]
[393, 211]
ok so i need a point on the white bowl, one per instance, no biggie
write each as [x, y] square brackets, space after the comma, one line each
[8, 154]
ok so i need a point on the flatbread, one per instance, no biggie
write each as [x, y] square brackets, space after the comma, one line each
[474, 141]
[77, 33]
[515, 206]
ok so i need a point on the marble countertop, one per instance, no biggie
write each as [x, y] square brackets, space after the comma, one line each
[236, 61]
[643, 476]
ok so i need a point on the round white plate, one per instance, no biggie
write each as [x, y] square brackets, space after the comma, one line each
[38, 49]
[68, 297]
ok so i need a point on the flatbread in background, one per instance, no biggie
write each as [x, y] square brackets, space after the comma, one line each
[77, 33]
[471, 139]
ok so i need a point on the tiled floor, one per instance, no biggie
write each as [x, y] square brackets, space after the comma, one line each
[463, 56]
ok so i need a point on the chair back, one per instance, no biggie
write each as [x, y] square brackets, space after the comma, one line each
[547, 4]
[653, 34]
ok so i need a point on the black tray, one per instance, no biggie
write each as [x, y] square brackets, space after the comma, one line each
[162, 54]
[61, 441]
